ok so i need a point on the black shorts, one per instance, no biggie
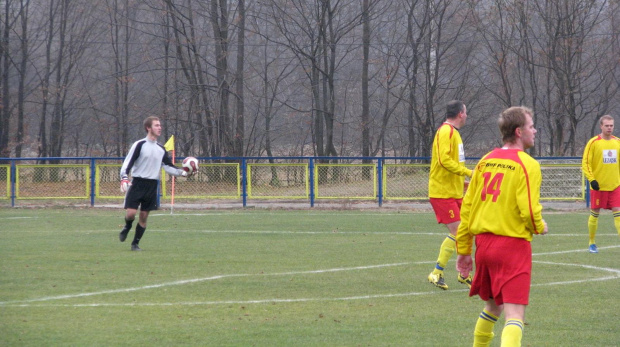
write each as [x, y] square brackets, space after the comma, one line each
[142, 193]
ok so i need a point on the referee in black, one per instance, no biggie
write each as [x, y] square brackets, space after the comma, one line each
[144, 161]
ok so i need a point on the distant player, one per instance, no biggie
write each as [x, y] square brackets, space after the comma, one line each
[144, 161]
[601, 168]
[445, 185]
[502, 211]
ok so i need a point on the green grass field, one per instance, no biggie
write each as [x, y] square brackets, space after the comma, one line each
[281, 278]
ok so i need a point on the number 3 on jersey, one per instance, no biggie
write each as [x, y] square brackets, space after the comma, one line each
[491, 185]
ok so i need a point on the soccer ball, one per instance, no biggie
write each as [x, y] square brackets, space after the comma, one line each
[190, 164]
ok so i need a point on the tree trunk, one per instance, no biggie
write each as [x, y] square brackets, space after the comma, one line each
[239, 81]
[219, 22]
[57, 124]
[365, 95]
[21, 93]
[5, 113]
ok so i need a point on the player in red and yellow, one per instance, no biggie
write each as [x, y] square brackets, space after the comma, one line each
[502, 211]
[601, 168]
[446, 183]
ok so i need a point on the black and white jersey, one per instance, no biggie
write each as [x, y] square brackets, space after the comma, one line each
[145, 160]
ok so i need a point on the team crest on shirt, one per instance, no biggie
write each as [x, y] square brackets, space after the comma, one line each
[461, 152]
[610, 156]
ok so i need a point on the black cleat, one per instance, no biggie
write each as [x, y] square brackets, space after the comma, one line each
[135, 248]
[123, 234]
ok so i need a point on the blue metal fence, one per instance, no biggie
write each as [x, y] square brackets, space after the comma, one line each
[312, 162]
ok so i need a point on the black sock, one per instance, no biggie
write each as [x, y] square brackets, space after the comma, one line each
[128, 224]
[139, 232]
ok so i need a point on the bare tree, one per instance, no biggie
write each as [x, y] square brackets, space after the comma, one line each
[190, 58]
[318, 77]
[5, 63]
[240, 81]
[219, 23]
[365, 63]
[21, 70]
[435, 65]
[576, 70]
[73, 35]
[120, 36]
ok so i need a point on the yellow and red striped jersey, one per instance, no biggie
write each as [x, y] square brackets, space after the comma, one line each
[448, 169]
[503, 198]
[600, 162]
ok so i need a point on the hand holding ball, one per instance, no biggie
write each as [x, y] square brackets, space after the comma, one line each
[190, 165]
[125, 184]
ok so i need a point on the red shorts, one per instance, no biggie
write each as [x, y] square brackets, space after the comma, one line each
[503, 269]
[447, 210]
[606, 200]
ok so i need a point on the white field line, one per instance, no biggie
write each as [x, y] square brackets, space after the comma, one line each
[318, 232]
[28, 303]
[204, 279]
[574, 251]
[241, 302]
[407, 214]
[440, 234]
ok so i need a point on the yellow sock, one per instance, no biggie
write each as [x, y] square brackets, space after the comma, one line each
[445, 252]
[593, 225]
[617, 221]
[512, 333]
[483, 333]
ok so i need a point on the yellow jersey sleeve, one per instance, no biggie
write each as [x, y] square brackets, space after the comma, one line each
[503, 198]
[448, 170]
[600, 162]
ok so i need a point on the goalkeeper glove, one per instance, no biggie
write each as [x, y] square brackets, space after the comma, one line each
[594, 185]
[186, 172]
[125, 184]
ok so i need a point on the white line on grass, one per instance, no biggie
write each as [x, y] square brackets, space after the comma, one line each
[27, 303]
[335, 232]
[575, 251]
[195, 280]
[243, 302]
[348, 298]
[404, 214]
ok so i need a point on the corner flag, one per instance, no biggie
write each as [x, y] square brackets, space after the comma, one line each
[169, 146]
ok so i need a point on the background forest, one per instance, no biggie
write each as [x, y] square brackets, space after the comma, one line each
[300, 77]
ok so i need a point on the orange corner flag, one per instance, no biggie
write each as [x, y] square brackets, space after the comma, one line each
[169, 146]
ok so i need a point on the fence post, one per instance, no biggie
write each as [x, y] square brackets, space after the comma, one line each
[92, 182]
[244, 181]
[13, 170]
[380, 181]
[311, 178]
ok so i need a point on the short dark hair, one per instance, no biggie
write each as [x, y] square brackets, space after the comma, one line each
[511, 119]
[454, 108]
[148, 122]
[605, 117]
